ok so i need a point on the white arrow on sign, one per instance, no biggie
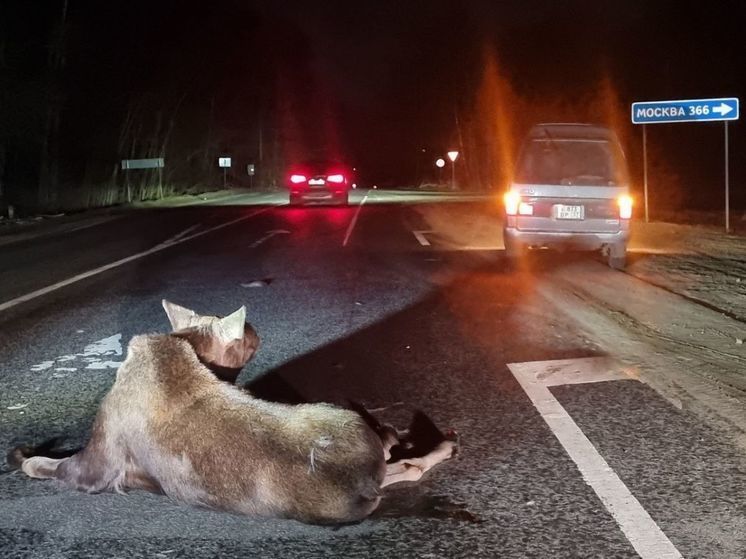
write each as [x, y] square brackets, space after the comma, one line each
[723, 109]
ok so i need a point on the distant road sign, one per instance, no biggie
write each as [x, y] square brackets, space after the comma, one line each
[224, 161]
[250, 169]
[690, 110]
[142, 163]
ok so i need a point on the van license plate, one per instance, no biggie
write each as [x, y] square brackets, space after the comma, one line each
[570, 212]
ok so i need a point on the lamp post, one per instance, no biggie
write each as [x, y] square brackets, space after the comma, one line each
[440, 163]
[453, 155]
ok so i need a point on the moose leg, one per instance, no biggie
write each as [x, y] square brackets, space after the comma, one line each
[41, 467]
[401, 471]
[86, 474]
[136, 478]
[95, 468]
[412, 469]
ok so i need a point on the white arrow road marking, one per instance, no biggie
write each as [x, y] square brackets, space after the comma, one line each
[723, 109]
[420, 236]
[96, 355]
[640, 529]
[162, 246]
[268, 236]
[354, 221]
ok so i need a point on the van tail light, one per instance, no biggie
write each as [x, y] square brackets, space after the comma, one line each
[625, 206]
[336, 179]
[512, 201]
[297, 179]
[525, 209]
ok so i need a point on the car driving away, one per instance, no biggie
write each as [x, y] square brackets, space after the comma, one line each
[571, 191]
[319, 181]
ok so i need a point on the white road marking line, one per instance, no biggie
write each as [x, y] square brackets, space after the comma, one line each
[14, 238]
[268, 236]
[182, 233]
[640, 529]
[420, 236]
[69, 281]
[354, 221]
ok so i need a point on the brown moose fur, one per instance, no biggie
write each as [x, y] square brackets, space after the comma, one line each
[169, 425]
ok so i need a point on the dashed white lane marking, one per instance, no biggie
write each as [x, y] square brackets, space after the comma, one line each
[268, 236]
[640, 529]
[351, 226]
[420, 236]
[162, 246]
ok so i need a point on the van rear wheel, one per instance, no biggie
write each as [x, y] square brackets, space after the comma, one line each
[513, 249]
[617, 257]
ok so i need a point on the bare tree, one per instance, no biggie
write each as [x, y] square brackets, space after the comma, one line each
[49, 160]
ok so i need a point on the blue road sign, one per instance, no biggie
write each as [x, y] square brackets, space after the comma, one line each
[690, 110]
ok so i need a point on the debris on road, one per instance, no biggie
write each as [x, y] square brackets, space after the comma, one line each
[17, 406]
[257, 283]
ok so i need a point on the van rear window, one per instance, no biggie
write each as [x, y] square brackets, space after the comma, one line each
[582, 162]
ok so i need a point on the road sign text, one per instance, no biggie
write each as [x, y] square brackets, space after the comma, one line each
[692, 110]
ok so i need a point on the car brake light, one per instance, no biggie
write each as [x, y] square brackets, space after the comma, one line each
[338, 179]
[512, 201]
[625, 206]
[296, 179]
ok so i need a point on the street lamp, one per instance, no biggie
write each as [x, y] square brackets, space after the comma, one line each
[453, 155]
[440, 163]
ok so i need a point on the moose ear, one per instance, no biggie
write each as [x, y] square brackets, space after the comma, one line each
[232, 326]
[179, 317]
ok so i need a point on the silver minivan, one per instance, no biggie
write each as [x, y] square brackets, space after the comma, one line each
[570, 190]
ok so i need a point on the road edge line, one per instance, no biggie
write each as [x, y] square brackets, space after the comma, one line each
[90, 273]
[351, 226]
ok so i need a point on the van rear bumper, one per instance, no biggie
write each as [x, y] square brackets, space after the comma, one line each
[569, 240]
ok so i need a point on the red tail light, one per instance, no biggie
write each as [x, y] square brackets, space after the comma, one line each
[297, 179]
[337, 178]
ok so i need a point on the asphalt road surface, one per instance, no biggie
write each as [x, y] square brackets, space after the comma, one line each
[565, 453]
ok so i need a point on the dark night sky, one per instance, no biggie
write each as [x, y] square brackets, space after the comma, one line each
[376, 81]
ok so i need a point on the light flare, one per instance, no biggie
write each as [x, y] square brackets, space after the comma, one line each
[625, 206]
[512, 200]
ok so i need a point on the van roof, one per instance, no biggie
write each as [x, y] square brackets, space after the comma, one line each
[571, 130]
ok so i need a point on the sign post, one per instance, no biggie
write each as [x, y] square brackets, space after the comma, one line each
[727, 186]
[453, 155]
[688, 110]
[645, 168]
[154, 163]
[251, 170]
[224, 163]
